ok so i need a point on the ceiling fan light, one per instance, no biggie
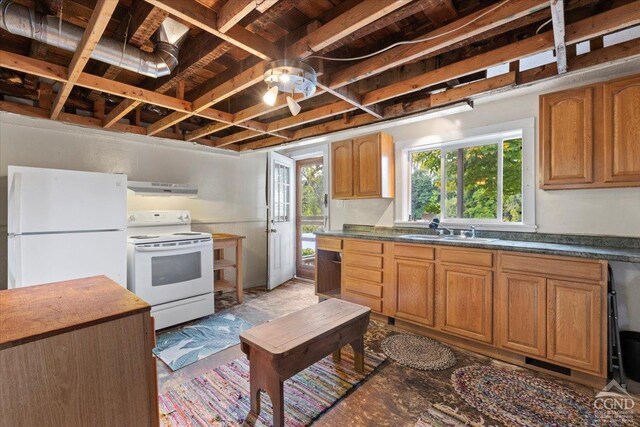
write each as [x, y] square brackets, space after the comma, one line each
[294, 107]
[271, 95]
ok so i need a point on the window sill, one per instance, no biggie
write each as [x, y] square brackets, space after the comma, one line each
[524, 228]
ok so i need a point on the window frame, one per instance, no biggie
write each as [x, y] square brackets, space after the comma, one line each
[524, 128]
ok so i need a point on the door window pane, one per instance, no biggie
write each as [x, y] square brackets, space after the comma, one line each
[281, 193]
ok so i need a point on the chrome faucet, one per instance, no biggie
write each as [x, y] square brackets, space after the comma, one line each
[435, 225]
[470, 233]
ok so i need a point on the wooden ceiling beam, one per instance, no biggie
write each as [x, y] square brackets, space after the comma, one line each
[229, 88]
[476, 23]
[121, 110]
[441, 11]
[288, 122]
[143, 21]
[205, 18]
[606, 22]
[96, 26]
[352, 20]
[557, 19]
[232, 12]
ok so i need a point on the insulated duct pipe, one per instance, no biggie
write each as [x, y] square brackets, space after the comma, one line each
[20, 20]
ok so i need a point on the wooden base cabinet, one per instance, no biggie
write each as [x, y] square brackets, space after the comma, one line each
[415, 283]
[465, 302]
[574, 331]
[554, 309]
[522, 309]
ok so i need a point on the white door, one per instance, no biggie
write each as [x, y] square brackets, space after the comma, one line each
[281, 220]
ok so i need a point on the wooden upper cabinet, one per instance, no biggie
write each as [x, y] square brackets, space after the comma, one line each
[622, 130]
[465, 302]
[342, 169]
[363, 167]
[590, 136]
[522, 313]
[567, 137]
[574, 325]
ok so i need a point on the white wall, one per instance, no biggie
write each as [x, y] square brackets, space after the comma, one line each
[231, 188]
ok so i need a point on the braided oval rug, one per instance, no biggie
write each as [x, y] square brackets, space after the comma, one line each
[418, 352]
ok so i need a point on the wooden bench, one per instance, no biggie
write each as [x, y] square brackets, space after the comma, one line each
[283, 347]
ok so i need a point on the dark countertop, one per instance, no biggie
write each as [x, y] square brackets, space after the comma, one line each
[576, 250]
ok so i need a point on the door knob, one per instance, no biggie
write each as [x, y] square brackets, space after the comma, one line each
[273, 230]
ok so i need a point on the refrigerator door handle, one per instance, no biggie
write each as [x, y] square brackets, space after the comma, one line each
[16, 198]
[15, 263]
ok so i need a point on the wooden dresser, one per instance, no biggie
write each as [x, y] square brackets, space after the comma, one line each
[76, 353]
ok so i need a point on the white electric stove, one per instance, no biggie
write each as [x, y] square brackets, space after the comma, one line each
[169, 266]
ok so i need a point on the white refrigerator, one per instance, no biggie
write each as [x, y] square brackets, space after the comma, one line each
[65, 225]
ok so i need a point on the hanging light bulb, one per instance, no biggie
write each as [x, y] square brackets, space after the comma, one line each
[271, 95]
[294, 107]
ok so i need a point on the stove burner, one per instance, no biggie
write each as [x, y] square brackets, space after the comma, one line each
[143, 236]
[187, 234]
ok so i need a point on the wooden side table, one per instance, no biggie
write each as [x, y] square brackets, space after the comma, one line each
[222, 241]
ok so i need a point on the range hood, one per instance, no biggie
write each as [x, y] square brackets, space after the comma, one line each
[161, 189]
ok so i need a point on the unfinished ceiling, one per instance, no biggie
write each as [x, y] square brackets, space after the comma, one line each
[213, 95]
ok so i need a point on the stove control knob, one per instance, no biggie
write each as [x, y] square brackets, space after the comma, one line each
[132, 218]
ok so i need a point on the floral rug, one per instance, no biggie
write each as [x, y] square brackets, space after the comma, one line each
[521, 399]
[221, 396]
[195, 341]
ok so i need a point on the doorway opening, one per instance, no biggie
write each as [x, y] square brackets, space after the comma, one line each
[310, 213]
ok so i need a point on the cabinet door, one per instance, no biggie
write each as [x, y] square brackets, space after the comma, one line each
[522, 311]
[416, 293]
[622, 131]
[566, 137]
[465, 302]
[366, 154]
[574, 334]
[342, 169]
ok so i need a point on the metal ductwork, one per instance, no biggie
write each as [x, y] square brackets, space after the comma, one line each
[20, 20]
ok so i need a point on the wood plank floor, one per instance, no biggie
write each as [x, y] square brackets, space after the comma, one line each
[392, 396]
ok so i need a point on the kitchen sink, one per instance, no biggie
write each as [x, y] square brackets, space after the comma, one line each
[422, 237]
[431, 237]
[468, 239]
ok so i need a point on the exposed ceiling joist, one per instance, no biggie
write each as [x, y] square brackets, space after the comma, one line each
[557, 18]
[233, 11]
[606, 22]
[96, 26]
[476, 23]
[202, 17]
[352, 20]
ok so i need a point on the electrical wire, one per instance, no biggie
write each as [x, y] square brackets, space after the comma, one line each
[543, 24]
[406, 42]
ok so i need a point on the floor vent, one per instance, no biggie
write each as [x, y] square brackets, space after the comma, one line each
[548, 366]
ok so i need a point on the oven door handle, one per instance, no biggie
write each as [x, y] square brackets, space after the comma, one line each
[173, 247]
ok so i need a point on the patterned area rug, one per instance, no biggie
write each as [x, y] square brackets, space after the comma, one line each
[221, 396]
[518, 399]
[181, 347]
[418, 352]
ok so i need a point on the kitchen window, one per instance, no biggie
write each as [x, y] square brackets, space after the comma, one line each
[477, 179]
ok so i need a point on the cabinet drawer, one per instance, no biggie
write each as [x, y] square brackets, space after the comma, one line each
[363, 246]
[374, 304]
[361, 260]
[414, 251]
[362, 273]
[363, 287]
[569, 268]
[329, 243]
[466, 256]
